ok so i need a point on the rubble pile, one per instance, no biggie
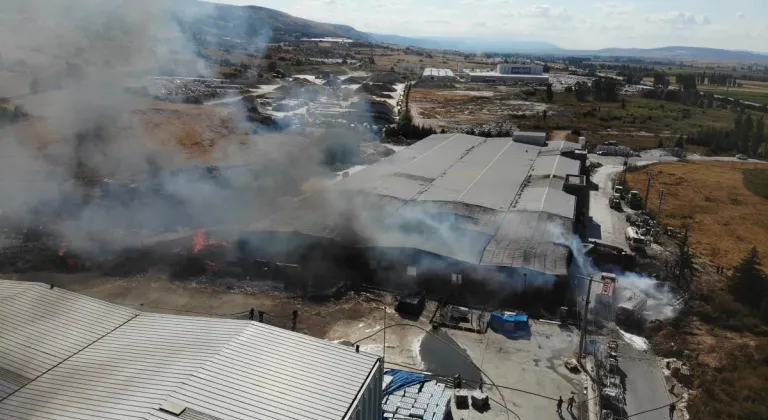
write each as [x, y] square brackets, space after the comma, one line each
[194, 91]
[494, 129]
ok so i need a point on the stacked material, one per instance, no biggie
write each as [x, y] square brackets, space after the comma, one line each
[428, 400]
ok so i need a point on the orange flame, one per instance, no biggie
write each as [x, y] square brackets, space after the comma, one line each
[200, 241]
[62, 249]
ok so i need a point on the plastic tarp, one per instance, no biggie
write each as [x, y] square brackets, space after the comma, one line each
[508, 321]
[402, 379]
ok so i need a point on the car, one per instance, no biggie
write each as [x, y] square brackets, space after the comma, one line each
[741, 157]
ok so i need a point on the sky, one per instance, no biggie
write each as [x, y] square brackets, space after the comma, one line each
[571, 24]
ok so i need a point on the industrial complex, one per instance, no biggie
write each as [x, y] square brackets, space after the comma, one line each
[492, 210]
[504, 73]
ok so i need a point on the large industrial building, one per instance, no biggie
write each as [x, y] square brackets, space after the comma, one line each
[510, 73]
[452, 206]
[68, 356]
[519, 69]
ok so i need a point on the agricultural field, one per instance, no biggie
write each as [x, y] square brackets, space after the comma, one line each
[641, 124]
[722, 202]
[750, 91]
[457, 106]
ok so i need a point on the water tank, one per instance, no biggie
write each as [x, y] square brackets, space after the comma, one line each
[582, 142]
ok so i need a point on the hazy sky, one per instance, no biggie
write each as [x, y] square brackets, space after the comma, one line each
[734, 24]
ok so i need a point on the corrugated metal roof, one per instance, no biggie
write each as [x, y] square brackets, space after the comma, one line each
[532, 240]
[271, 373]
[446, 194]
[9, 288]
[40, 328]
[489, 176]
[431, 71]
[546, 195]
[88, 359]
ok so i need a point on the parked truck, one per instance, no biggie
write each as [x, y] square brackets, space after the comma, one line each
[631, 309]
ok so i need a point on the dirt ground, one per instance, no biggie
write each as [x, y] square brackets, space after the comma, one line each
[725, 219]
[467, 104]
[201, 297]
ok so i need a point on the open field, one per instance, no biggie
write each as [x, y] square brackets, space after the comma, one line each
[750, 92]
[726, 219]
[470, 104]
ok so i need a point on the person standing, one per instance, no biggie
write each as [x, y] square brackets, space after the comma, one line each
[571, 401]
[560, 405]
[672, 409]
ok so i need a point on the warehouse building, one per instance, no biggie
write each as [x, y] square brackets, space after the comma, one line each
[68, 356]
[449, 207]
[521, 69]
[431, 73]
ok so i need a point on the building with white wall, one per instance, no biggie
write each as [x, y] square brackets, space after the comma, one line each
[522, 69]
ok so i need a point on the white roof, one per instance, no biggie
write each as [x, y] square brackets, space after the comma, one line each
[67, 356]
[430, 71]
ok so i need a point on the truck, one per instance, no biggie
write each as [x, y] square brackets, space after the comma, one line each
[615, 202]
[618, 190]
[634, 201]
[631, 309]
[605, 296]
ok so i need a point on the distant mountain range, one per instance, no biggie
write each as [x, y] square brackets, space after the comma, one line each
[228, 24]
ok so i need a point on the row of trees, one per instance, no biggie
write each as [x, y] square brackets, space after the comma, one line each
[747, 136]
[749, 284]
[604, 89]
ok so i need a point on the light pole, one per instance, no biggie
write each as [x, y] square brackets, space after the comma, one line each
[589, 279]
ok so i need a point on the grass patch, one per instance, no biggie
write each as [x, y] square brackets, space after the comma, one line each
[756, 181]
[641, 123]
[726, 217]
[742, 95]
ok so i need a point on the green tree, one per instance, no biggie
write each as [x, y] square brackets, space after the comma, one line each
[748, 282]
[738, 127]
[550, 94]
[746, 134]
[758, 137]
[271, 66]
[582, 90]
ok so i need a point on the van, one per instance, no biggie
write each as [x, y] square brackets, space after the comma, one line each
[634, 239]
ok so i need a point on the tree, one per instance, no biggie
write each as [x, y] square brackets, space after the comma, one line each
[660, 144]
[550, 93]
[758, 137]
[680, 142]
[582, 90]
[684, 267]
[746, 134]
[623, 103]
[748, 282]
[272, 66]
[660, 79]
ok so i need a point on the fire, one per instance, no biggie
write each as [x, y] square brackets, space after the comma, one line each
[62, 249]
[200, 241]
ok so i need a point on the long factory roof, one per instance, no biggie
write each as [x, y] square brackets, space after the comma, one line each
[488, 201]
[68, 356]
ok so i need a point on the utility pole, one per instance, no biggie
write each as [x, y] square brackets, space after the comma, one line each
[647, 191]
[583, 336]
[661, 200]
[384, 347]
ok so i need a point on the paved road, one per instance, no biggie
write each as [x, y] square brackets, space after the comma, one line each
[607, 224]
[645, 387]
